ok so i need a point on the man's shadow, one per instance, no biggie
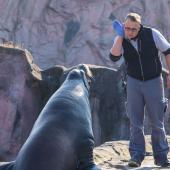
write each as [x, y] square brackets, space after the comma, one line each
[126, 167]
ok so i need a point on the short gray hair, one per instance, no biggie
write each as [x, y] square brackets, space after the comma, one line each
[133, 17]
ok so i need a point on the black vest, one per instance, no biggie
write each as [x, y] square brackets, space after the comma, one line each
[145, 63]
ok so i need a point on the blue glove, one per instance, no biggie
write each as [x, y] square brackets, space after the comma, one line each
[118, 27]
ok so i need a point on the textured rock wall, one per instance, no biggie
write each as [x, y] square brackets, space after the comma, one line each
[20, 99]
[67, 32]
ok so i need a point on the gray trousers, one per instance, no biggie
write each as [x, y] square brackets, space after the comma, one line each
[149, 94]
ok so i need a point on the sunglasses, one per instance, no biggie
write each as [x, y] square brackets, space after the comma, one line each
[131, 29]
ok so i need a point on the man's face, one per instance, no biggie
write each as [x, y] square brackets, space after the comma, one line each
[131, 28]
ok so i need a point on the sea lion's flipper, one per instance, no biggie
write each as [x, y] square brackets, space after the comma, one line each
[6, 165]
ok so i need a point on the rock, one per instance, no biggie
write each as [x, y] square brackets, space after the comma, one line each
[67, 32]
[20, 98]
[114, 155]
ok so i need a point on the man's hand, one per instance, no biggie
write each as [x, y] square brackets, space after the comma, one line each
[118, 27]
[168, 81]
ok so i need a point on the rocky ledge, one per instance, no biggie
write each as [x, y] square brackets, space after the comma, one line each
[114, 155]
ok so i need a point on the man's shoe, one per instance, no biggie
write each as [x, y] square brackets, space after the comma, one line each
[163, 164]
[133, 163]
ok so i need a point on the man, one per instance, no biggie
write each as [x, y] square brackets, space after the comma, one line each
[140, 46]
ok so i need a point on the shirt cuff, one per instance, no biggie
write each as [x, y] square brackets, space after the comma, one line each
[166, 52]
[113, 57]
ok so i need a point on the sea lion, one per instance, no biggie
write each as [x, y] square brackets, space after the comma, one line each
[7, 165]
[62, 136]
